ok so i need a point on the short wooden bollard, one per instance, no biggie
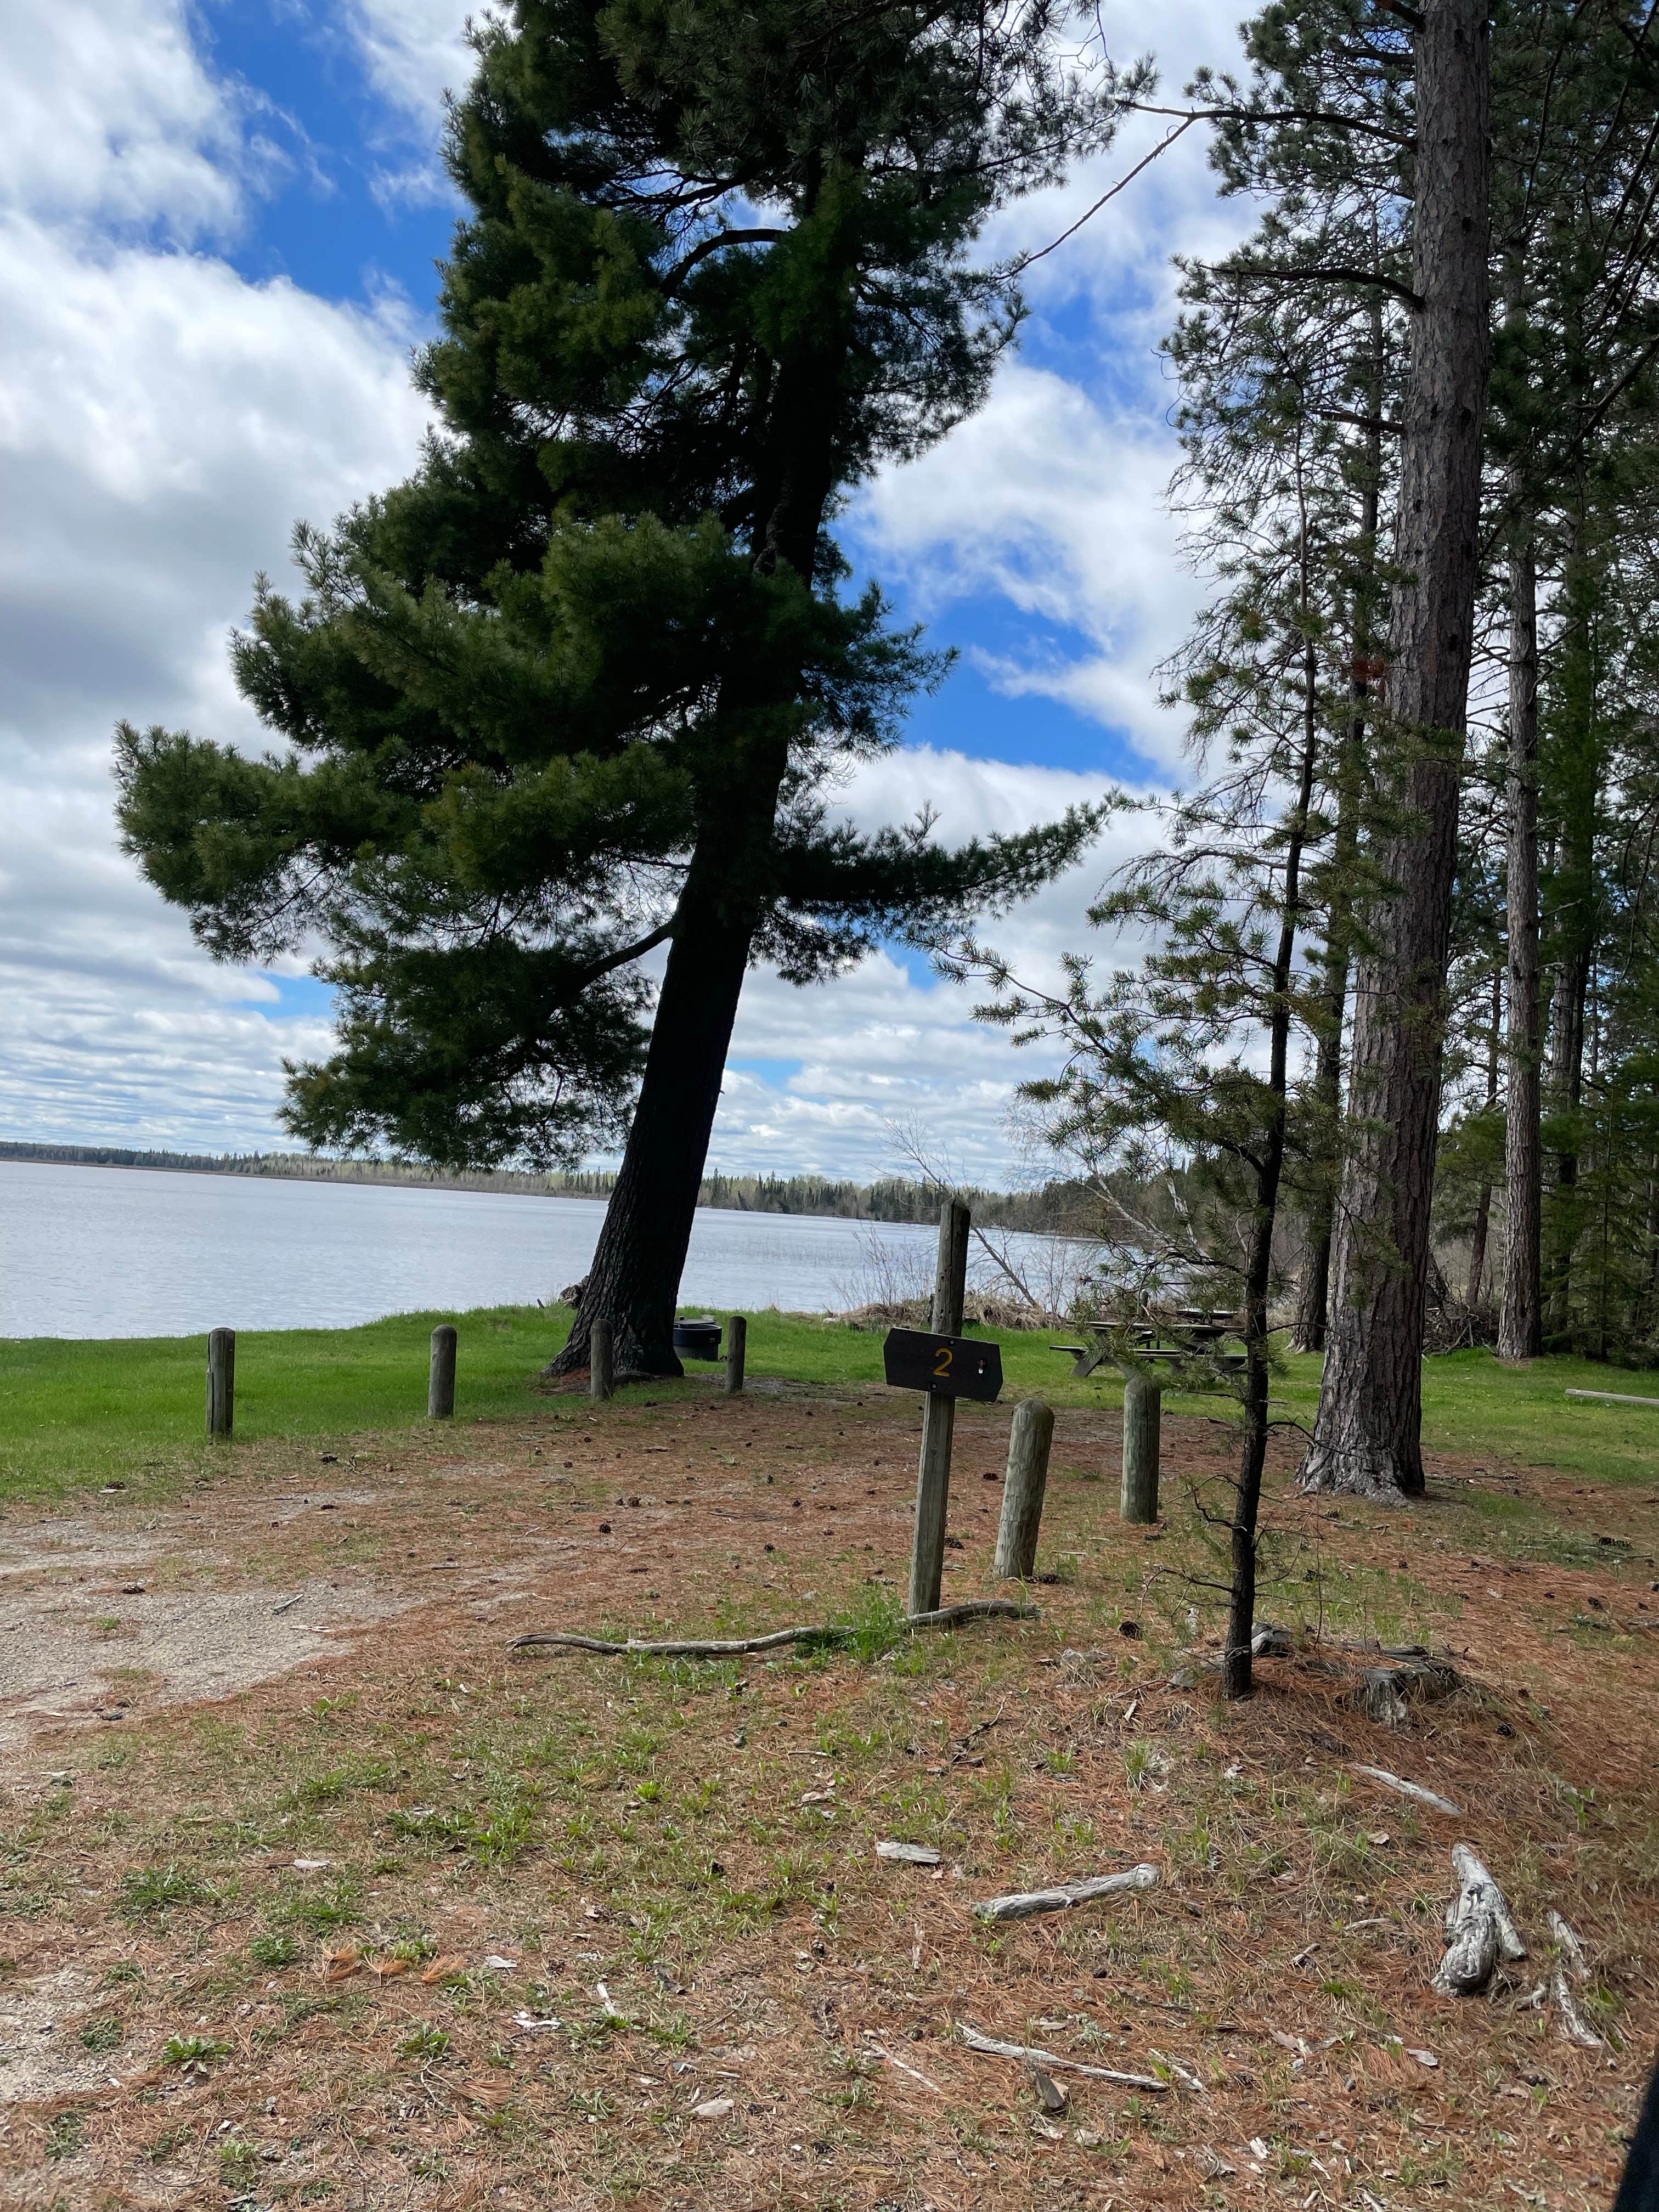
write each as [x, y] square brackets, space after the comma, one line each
[440, 1382]
[601, 1362]
[222, 1382]
[1029, 1444]
[737, 1347]
[938, 1417]
[1143, 1425]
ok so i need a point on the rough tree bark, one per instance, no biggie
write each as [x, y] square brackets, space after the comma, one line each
[1313, 1308]
[634, 1282]
[1483, 1207]
[1567, 1090]
[1575, 921]
[1367, 1437]
[1521, 1321]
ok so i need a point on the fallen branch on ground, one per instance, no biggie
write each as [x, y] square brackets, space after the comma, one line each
[1413, 1790]
[990, 2046]
[741, 1647]
[1024, 1905]
[1479, 1930]
[915, 2074]
[1571, 1962]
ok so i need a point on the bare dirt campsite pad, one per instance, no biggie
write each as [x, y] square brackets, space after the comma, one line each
[387, 1915]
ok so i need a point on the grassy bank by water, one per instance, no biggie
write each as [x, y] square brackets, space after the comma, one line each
[76, 1412]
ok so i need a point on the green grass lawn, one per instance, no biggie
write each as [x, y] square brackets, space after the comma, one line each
[76, 1411]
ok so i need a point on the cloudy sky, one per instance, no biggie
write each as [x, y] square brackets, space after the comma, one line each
[218, 222]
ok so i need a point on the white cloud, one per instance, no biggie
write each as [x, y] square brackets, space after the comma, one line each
[415, 50]
[163, 422]
[882, 1046]
[112, 117]
[1047, 501]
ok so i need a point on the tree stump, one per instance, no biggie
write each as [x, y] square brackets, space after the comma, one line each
[1029, 1444]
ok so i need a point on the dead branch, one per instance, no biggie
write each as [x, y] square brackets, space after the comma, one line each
[743, 1647]
[1571, 1966]
[1024, 1905]
[882, 2051]
[1479, 1930]
[1413, 1790]
[990, 2046]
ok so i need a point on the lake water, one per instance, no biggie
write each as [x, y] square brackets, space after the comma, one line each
[129, 1252]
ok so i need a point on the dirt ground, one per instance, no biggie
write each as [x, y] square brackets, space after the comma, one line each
[312, 1892]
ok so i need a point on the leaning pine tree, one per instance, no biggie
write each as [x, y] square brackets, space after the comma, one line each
[577, 689]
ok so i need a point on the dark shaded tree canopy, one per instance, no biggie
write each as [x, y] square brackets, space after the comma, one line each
[584, 684]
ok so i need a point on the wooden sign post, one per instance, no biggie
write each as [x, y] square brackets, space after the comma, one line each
[938, 1416]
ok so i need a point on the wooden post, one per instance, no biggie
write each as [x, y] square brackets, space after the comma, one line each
[737, 1346]
[601, 1364]
[1143, 1423]
[440, 1384]
[1028, 1443]
[221, 1382]
[938, 1416]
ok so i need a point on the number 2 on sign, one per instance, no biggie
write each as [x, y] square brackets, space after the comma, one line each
[942, 1361]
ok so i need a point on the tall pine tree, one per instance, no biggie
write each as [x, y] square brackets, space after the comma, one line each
[578, 688]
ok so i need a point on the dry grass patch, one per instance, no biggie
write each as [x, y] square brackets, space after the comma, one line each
[414, 1923]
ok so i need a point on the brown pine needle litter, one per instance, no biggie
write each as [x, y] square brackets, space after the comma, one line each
[353, 1907]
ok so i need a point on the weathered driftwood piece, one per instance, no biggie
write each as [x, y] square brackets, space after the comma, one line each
[741, 1647]
[1570, 1966]
[907, 1854]
[1030, 1441]
[1613, 1397]
[1270, 1642]
[1025, 1904]
[1026, 2054]
[1479, 1930]
[1413, 1790]
[441, 1376]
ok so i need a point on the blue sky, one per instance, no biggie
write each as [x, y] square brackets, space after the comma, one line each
[218, 228]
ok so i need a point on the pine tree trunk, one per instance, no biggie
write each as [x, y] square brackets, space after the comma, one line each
[634, 1282]
[1566, 1083]
[1483, 1208]
[1313, 1307]
[1238, 1673]
[1367, 1437]
[1521, 1321]
[1577, 796]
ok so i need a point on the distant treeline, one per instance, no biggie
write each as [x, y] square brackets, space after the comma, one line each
[893, 1198]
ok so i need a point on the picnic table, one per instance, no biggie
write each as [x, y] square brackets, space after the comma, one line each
[1196, 1331]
